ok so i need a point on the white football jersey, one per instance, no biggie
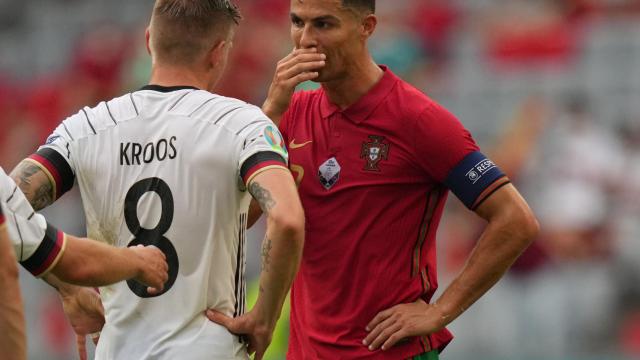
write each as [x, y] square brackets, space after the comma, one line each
[38, 246]
[167, 166]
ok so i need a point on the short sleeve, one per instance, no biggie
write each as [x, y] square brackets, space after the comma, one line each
[450, 155]
[38, 246]
[54, 157]
[263, 148]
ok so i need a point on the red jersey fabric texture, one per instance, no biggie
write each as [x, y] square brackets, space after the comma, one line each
[371, 180]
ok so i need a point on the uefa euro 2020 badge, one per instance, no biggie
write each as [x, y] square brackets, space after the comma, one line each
[329, 173]
[274, 139]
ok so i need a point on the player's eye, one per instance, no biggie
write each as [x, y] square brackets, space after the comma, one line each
[322, 24]
[297, 22]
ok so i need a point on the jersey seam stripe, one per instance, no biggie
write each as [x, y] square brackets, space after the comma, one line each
[134, 104]
[31, 216]
[242, 230]
[67, 130]
[12, 194]
[203, 104]
[110, 114]
[432, 210]
[227, 113]
[421, 227]
[426, 286]
[15, 219]
[249, 124]
[425, 224]
[180, 99]
[237, 276]
[88, 121]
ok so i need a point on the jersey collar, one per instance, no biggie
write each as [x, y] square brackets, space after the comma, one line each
[166, 89]
[364, 107]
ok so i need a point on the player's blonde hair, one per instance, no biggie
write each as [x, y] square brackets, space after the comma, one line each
[184, 30]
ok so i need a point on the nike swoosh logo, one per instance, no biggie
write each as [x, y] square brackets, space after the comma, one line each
[293, 145]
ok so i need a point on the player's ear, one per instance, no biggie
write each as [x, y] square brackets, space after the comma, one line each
[369, 24]
[147, 35]
[216, 55]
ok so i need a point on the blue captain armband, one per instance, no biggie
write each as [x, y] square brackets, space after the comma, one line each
[474, 179]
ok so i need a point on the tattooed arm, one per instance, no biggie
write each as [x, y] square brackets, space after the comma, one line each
[276, 193]
[35, 184]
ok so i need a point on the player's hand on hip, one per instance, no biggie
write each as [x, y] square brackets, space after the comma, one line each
[402, 321]
[154, 271]
[259, 336]
[299, 66]
[85, 313]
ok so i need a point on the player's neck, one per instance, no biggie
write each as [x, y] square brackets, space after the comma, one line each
[176, 76]
[348, 90]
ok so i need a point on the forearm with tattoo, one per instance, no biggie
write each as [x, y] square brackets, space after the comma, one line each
[266, 254]
[263, 196]
[34, 183]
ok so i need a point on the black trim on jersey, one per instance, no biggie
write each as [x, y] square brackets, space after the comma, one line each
[67, 130]
[258, 158]
[89, 121]
[44, 250]
[134, 104]
[177, 102]
[227, 113]
[110, 114]
[15, 220]
[64, 170]
[239, 276]
[12, 194]
[166, 89]
[252, 123]
[30, 216]
[203, 104]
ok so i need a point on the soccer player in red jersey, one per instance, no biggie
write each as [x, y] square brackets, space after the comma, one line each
[374, 159]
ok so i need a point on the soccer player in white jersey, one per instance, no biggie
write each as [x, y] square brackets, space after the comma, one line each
[61, 260]
[175, 166]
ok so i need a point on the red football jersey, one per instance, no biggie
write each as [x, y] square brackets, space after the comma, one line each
[372, 182]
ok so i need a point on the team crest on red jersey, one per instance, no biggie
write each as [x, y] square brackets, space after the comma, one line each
[374, 151]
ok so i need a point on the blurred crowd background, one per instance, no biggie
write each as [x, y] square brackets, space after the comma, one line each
[549, 88]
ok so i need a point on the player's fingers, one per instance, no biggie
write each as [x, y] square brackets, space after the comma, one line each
[95, 338]
[301, 59]
[393, 339]
[153, 291]
[233, 325]
[82, 347]
[380, 317]
[377, 330]
[384, 335]
[300, 69]
[259, 355]
[302, 78]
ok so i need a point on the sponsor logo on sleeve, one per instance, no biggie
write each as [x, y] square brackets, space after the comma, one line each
[481, 168]
[51, 139]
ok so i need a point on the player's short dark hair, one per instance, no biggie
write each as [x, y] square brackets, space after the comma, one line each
[183, 29]
[366, 7]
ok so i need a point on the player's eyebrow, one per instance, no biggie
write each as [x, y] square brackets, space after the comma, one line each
[325, 18]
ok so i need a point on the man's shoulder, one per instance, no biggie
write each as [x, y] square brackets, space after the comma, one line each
[303, 97]
[415, 102]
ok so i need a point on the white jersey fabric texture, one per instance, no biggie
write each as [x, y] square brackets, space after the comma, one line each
[164, 166]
